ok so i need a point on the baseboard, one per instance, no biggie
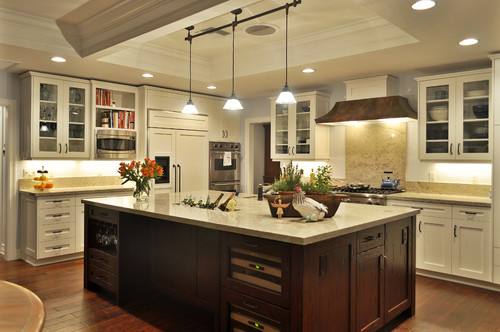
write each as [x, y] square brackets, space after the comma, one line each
[52, 260]
[459, 280]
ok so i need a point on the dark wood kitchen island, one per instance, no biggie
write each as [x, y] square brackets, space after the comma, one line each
[353, 272]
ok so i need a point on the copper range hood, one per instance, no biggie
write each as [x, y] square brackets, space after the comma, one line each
[370, 109]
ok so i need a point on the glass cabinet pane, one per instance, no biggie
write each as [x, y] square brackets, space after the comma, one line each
[281, 139]
[48, 118]
[303, 127]
[476, 116]
[76, 109]
[437, 119]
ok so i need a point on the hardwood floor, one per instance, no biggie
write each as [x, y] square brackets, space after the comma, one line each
[441, 306]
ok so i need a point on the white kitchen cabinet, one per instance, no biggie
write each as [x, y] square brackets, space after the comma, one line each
[294, 133]
[454, 239]
[455, 117]
[55, 111]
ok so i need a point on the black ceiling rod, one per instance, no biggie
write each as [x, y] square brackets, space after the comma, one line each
[294, 3]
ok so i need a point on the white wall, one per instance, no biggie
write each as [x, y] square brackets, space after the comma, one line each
[258, 152]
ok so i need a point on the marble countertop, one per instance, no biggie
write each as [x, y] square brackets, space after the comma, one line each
[76, 190]
[442, 198]
[254, 219]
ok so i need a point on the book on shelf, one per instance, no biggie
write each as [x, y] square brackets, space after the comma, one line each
[103, 97]
[121, 119]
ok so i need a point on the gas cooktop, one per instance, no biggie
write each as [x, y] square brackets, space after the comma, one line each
[365, 194]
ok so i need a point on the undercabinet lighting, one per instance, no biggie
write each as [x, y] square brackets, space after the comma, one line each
[308, 70]
[147, 75]
[211, 87]
[468, 42]
[394, 120]
[59, 59]
[423, 4]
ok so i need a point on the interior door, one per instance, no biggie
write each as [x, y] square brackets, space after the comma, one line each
[161, 147]
[191, 156]
[434, 244]
[472, 249]
[76, 120]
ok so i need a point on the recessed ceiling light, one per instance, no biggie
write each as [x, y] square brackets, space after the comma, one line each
[468, 42]
[211, 87]
[423, 4]
[308, 70]
[58, 59]
[147, 75]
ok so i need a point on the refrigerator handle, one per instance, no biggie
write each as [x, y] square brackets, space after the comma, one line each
[175, 177]
[180, 177]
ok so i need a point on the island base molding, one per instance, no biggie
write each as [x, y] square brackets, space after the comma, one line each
[363, 281]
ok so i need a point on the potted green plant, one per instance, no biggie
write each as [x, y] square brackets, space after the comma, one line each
[290, 177]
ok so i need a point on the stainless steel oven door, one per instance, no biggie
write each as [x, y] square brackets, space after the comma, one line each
[225, 186]
[221, 173]
[115, 144]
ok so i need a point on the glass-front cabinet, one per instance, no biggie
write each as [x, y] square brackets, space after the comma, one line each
[454, 116]
[295, 134]
[57, 111]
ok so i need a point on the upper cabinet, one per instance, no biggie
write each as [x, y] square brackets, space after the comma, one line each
[454, 116]
[294, 133]
[55, 111]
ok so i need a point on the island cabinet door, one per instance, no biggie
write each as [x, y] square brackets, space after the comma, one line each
[370, 290]
[398, 268]
[257, 267]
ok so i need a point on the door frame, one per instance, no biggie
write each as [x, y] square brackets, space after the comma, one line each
[11, 121]
[249, 150]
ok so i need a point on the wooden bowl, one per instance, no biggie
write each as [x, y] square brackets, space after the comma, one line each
[331, 201]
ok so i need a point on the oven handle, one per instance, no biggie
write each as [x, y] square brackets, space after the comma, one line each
[175, 177]
[225, 184]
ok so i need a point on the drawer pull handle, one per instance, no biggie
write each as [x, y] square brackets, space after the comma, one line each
[57, 248]
[57, 232]
[256, 267]
[57, 215]
[250, 305]
[470, 213]
[256, 324]
[420, 226]
[58, 201]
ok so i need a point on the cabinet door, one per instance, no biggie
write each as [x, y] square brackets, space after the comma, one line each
[47, 118]
[434, 244]
[232, 125]
[191, 149]
[474, 125]
[76, 136]
[398, 267]
[281, 117]
[370, 290]
[303, 144]
[437, 119]
[472, 249]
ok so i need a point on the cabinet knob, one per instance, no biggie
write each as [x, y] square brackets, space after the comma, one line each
[451, 149]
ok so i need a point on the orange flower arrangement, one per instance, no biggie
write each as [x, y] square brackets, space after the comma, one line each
[141, 173]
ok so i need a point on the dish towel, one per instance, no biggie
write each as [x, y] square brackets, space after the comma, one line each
[228, 161]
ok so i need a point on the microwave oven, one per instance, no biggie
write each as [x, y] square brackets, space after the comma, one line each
[115, 144]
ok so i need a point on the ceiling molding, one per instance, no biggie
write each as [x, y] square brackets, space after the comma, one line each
[33, 32]
[131, 19]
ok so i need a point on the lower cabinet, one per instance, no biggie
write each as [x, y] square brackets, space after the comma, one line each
[454, 239]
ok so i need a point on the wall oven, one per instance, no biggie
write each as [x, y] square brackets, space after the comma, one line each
[115, 144]
[224, 166]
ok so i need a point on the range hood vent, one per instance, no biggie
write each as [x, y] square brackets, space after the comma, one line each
[370, 109]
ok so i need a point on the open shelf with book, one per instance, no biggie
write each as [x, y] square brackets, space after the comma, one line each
[115, 106]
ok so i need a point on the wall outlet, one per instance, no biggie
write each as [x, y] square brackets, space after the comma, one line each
[28, 174]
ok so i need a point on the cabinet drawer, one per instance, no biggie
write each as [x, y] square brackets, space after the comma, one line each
[371, 238]
[244, 313]
[105, 215]
[105, 279]
[57, 231]
[103, 260]
[257, 267]
[56, 248]
[426, 209]
[51, 203]
[56, 216]
[472, 213]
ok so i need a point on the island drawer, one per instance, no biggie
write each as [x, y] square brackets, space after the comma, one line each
[257, 267]
[103, 260]
[371, 238]
[102, 278]
[104, 215]
[244, 313]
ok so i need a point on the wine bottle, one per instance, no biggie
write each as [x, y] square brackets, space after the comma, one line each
[223, 205]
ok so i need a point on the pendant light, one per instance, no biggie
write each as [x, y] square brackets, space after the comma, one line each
[233, 103]
[286, 96]
[190, 108]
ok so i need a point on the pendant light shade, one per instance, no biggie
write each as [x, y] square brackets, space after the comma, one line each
[233, 103]
[190, 108]
[286, 96]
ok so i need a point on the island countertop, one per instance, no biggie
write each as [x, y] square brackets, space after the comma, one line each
[253, 217]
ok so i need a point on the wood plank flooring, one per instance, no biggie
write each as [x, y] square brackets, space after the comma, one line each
[441, 305]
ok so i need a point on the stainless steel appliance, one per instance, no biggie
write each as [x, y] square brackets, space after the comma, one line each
[365, 194]
[115, 144]
[225, 167]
